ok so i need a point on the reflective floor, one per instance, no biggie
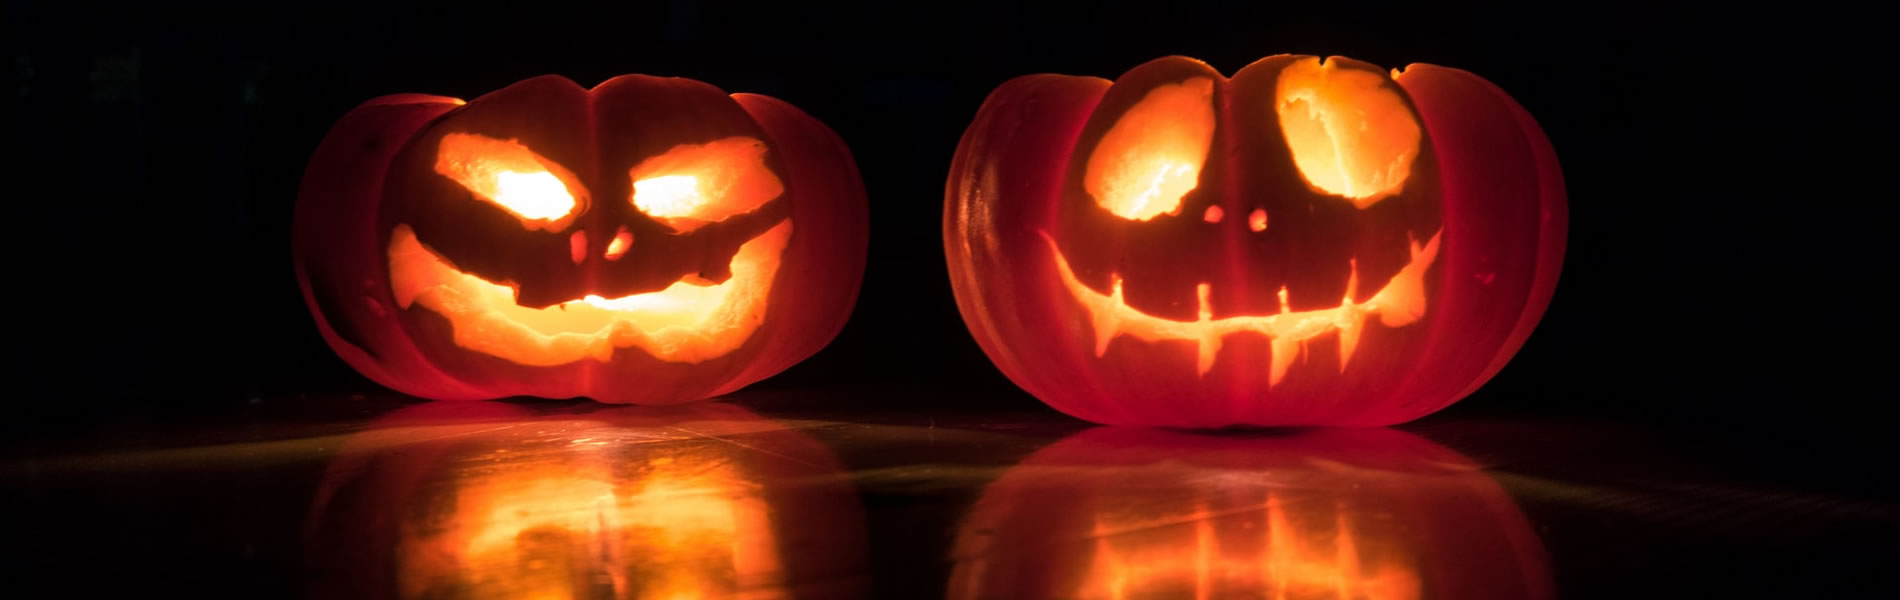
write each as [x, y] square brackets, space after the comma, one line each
[762, 496]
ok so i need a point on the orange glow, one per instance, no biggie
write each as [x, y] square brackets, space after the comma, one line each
[1351, 134]
[577, 247]
[692, 185]
[689, 526]
[1293, 558]
[1152, 156]
[1257, 220]
[510, 176]
[668, 195]
[682, 323]
[619, 245]
[1400, 303]
[1212, 215]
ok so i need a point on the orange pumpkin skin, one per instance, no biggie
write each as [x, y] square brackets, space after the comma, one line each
[1320, 513]
[1265, 297]
[382, 200]
[488, 500]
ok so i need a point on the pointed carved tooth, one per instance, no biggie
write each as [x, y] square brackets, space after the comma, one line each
[1351, 319]
[1209, 347]
[1201, 292]
[1209, 344]
[1107, 324]
[1285, 349]
[1352, 279]
[1349, 338]
[1398, 303]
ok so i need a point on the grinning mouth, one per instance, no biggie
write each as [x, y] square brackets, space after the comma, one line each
[1400, 303]
[683, 323]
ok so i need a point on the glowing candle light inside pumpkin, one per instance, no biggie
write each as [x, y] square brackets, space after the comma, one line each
[693, 185]
[620, 243]
[1153, 157]
[688, 321]
[509, 175]
[450, 249]
[537, 195]
[1338, 262]
[1350, 135]
[668, 196]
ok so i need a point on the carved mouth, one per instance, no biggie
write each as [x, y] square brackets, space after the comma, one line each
[1399, 303]
[683, 323]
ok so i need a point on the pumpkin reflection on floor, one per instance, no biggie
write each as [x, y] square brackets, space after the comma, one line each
[481, 500]
[1137, 513]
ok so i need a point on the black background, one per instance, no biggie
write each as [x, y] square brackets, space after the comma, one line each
[1722, 171]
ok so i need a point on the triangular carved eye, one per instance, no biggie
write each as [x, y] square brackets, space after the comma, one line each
[509, 175]
[692, 185]
[1152, 157]
[1351, 134]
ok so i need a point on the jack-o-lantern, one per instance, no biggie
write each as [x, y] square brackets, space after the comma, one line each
[1308, 242]
[650, 240]
[1373, 514]
[476, 500]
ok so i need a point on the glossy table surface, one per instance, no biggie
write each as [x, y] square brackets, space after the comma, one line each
[772, 495]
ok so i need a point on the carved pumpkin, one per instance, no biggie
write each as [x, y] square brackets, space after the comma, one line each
[650, 240]
[475, 500]
[1307, 242]
[1336, 513]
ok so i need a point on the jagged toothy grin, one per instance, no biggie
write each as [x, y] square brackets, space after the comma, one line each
[1401, 302]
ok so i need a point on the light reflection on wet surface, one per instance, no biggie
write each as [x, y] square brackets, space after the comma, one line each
[490, 501]
[1371, 513]
[796, 497]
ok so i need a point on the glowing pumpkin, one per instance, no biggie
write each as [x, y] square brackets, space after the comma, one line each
[1371, 514]
[474, 500]
[647, 241]
[1308, 242]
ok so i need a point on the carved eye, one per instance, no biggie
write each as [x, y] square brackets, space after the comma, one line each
[693, 185]
[510, 176]
[1152, 156]
[1351, 134]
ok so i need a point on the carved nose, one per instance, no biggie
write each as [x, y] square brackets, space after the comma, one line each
[1256, 220]
[623, 240]
[577, 246]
